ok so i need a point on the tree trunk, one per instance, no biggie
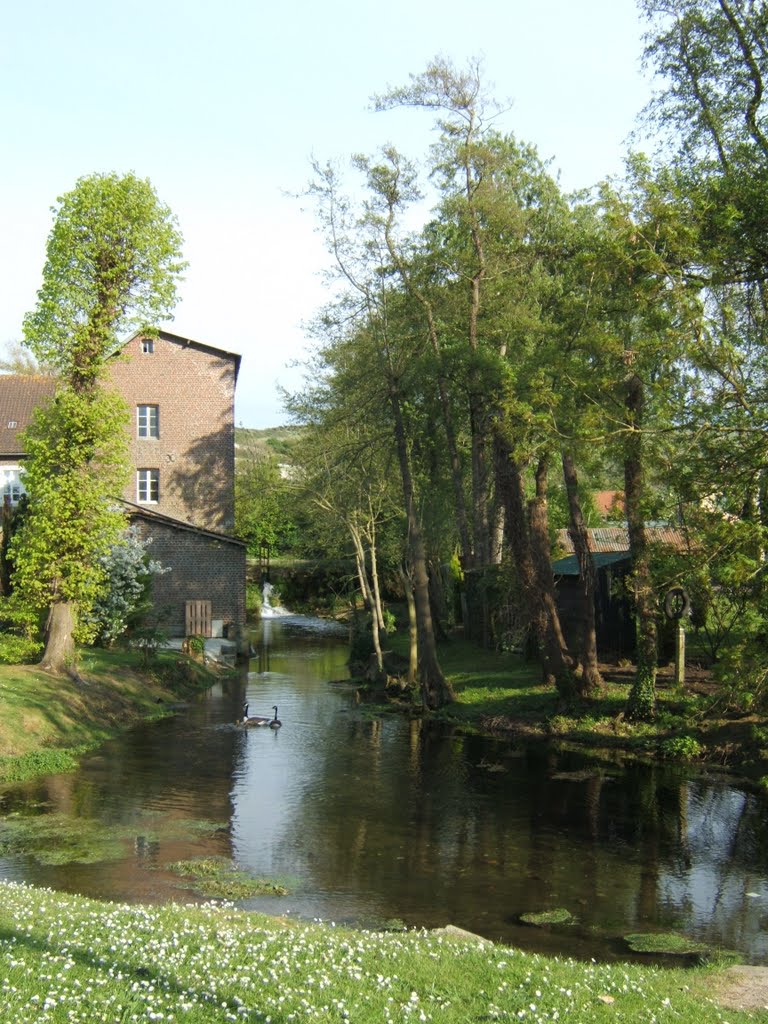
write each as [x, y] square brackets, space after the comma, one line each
[5, 540]
[642, 697]
[538, 519]
[590, 680]
[496, 552]
[362, 572]
[457, 475]
[435, 688]
[480, 528]
[538, 593]
[413, 633]
[59, 654]
[377, 614]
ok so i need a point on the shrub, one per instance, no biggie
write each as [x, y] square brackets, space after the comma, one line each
[19, 650]
[680, 748]
[129, 570]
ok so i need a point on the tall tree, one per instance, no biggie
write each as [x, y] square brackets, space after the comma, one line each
[370, 358]
[712, 61]
[112, 263]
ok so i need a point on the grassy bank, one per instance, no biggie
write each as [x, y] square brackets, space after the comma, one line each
[65, 958]
[47, 721]
[501, 694]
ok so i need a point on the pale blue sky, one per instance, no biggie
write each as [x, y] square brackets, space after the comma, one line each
[221, 105]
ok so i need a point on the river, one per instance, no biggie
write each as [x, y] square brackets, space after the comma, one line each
[379, 821]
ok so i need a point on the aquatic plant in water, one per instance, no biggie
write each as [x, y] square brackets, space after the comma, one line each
[219, 878]
[61, 839]
[558, 915]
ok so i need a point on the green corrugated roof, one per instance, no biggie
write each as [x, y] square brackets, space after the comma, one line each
[569, 566]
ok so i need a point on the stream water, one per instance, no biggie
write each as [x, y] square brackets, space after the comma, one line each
[367, 820]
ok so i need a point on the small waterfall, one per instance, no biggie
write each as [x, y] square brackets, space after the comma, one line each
[269, 610]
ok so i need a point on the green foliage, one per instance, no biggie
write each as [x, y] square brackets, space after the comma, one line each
[743, 674]
[77, 463]
[265, 503]
[674, 944]
[18, 650]
[40, 762]
[548, 917]
[196, 644]
[680, 748]
[112, 262]
[253, 598]
[218, 878]
[148, 641]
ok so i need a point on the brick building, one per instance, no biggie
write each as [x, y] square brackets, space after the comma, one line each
[19, 397]
[180, 395]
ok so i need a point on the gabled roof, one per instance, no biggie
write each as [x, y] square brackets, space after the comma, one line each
[20, 395]
[177, 339]
[142, 512]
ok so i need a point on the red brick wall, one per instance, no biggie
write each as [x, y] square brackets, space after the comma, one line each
[194, 389]
[203, 569]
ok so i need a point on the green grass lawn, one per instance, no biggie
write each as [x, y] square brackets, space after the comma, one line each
[69, 959]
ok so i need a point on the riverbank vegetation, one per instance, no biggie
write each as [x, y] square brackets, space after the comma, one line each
[501, 694]
[48, 720]
[65, 958]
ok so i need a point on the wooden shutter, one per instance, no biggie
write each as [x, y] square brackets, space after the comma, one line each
[198, 618]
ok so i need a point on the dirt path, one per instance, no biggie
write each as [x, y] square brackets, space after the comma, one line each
[742, 988]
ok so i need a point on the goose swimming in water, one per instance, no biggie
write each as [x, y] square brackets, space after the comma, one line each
[259, 720]
[253, 720]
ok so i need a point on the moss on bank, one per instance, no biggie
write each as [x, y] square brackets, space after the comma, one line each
[48, 721]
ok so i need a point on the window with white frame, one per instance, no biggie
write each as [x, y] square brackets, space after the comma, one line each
[148, 420]
[147, 346]
[147, 486]
[11, 486]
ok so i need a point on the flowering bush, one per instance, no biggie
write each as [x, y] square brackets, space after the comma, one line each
[129, 571]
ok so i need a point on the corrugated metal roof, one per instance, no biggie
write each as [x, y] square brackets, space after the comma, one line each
[20, 395]
[608, 539]
[569, 566]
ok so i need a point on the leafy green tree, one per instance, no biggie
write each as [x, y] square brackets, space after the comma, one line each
[712, 110]
[77, 452]
[112, 262]
[265, 511]
[17, 359]
[113, 259]
[368, 364]
[650, 311]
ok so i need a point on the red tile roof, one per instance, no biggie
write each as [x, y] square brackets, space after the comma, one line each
[607, 502]
[20, 395]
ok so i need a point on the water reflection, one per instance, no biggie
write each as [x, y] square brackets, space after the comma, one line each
[370, 820]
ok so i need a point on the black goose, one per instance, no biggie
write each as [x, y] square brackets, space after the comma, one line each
[275, 722]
